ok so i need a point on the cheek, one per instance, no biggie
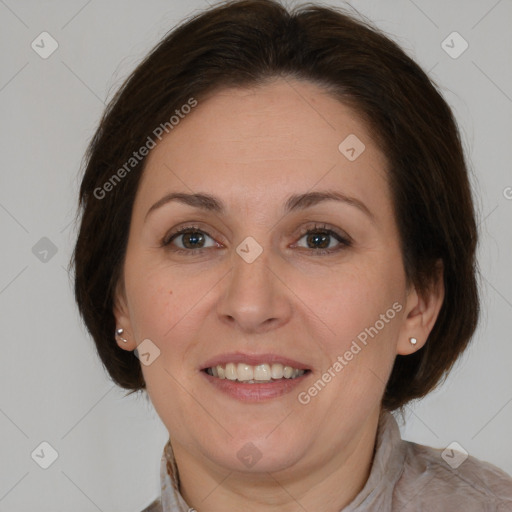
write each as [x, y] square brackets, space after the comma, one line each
[161, 309]
[348, 301]
[155, 308]
[363, 312]
[151, 307]
[165, 305]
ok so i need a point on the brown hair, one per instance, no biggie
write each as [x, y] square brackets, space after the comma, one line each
[247, 43]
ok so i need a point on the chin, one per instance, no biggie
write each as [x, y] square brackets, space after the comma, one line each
[256, 453]
[253, 459]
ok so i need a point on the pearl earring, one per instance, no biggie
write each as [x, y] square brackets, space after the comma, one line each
[413, 341]
[119, 332]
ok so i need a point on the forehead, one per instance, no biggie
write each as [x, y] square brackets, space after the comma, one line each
[255, 142]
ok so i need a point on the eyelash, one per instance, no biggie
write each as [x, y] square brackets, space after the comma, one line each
[344, 241]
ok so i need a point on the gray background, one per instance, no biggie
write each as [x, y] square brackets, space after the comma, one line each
[53, 386]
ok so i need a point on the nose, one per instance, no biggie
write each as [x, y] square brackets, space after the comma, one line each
[256, 298]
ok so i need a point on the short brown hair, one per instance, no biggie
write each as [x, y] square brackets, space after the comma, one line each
[247, 43]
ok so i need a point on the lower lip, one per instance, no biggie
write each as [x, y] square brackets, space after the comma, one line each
[255, 392]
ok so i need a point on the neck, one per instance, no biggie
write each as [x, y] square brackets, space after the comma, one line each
[330, 484]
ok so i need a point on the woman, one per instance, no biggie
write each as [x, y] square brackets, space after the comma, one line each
[278, 244]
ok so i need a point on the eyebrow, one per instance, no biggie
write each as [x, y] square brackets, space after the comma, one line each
[294, 203]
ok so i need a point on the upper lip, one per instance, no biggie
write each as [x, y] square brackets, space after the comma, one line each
[253, 360]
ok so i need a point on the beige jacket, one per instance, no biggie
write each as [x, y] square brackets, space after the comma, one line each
[405, 477]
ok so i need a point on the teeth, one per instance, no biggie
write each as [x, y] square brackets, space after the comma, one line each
[276, 371]
[262, 372]
[245, 372]
[254, 374]
[231, 372]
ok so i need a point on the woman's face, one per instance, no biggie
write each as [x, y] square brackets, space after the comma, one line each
[270, 274]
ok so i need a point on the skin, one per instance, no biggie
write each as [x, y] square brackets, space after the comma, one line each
[252, 148]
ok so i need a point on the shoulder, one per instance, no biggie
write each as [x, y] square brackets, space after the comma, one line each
[155, 506]
[448, 478]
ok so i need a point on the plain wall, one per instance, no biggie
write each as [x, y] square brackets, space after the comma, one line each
[53, 387]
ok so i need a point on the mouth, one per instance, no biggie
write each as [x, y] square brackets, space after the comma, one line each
[254, 374]
[259, 374]
[251, 378]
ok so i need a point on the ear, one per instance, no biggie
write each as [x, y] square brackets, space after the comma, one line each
[421, 313]
[122, 316]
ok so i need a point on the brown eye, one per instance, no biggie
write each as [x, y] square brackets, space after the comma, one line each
[322, 240]
[189, 239]
[192, 240]
[318, 240]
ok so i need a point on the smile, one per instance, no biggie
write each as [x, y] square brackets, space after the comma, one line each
[254, 374]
